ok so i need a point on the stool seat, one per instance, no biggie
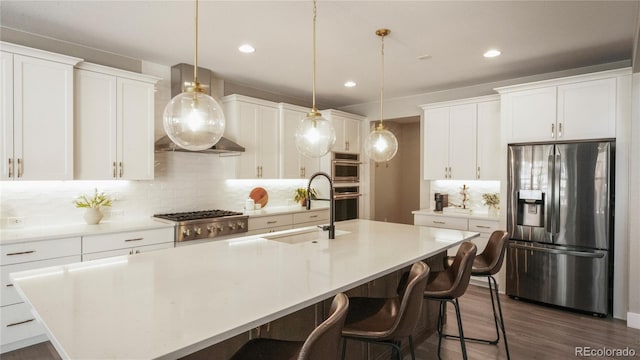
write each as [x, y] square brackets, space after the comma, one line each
[267, 349]
[371, 317]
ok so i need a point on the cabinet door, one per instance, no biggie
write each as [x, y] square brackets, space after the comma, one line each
[462, 142]
[531, 114]
[135, 124]
[95, 126]
[488, 147]
[352, 135]
[587, 110]
[436, 143]
[341, 141]
[6, 112]
[268, 138]
[246, 135]
[43, 119]
[290, 159]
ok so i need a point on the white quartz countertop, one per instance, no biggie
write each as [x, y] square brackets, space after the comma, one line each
[281, 210]
[36, 233]
[483, 216]
[172, 302]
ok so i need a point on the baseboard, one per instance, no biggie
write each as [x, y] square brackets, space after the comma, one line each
[633, 320]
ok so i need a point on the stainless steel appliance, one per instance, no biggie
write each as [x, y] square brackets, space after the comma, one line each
[345, 167]
[441, 201]
[206, 224]
[347, 202]
[560, 220]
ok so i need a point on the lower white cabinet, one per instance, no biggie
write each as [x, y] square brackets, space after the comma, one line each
[273, 223]
[484, 226]
[19, 327]
[126, 243]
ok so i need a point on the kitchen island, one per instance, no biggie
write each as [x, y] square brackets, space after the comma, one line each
[173, 302]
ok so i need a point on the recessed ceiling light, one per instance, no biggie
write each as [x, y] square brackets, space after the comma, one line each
[350, 84]
[247, 49]
[492, 53]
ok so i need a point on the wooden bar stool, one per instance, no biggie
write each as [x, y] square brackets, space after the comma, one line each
[487, 264]
[388, 320]
[323, 342]
[448, 285]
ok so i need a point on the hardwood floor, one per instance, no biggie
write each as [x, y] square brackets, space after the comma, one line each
[533, 332]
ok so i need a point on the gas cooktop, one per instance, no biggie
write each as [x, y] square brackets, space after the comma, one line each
[206, 224]
[197, 215]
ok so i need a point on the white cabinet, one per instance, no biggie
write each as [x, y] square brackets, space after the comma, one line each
[254, 124]
[347, 128]
[575, 108]
[126, 243]
[293, 165]
[37, 114]
[272, 223]
[19, 327]
[114, 124]
[462, 139]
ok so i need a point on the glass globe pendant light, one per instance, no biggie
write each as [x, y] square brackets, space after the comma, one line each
[194, 120]
[381, 145]
[315, 135]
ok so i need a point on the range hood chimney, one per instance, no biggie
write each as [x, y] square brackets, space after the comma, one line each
[180, 74]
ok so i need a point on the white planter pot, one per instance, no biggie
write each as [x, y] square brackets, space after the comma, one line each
[93, 216]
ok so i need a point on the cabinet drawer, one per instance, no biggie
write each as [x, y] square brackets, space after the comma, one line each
[126, 251]
[9, 293]
[269, 221]
[441, 222]
[268, 230]
[309, 216]
[482, 226]
[18, 323]
[126, 240]
[39, 250]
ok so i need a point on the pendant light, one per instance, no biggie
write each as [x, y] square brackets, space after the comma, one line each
[194, 120]
[381, 145]
[315, 135]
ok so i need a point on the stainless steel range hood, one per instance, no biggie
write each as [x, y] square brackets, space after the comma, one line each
[180, 74]
[224, 146]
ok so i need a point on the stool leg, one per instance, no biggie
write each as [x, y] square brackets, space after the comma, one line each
[462, 345]
[344, 347]
[495, 314]
[413, 353]
[443, 304]
[504, 331]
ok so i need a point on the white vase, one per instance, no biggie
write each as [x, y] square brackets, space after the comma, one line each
[93, 216]
[494, 212]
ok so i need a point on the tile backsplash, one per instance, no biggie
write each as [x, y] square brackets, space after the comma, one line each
[183, 182]
[474, 193]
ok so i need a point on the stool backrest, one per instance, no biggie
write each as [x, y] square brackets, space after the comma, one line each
[411, 299]
[461, 269]
[493, 253]
[324, 341]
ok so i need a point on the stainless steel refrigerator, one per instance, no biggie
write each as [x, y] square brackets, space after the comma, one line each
[560, 221]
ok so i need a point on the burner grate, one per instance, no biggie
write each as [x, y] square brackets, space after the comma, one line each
[197, 215]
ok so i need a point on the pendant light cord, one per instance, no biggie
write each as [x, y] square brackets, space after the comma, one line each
[314, 109]
[382, 82]
[195, 66]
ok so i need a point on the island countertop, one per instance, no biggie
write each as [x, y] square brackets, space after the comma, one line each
[169, 303]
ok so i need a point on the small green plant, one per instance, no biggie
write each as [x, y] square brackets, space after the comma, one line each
[491, 200]
[98, 200]
[303, 195]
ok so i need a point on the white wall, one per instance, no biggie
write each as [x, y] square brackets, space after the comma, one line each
[633, 315]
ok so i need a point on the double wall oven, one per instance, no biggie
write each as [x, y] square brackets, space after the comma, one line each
[345, 174]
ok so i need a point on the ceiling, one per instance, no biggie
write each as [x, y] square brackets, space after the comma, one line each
[534, 37]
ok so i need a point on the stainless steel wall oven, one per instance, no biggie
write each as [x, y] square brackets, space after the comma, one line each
[345, 167]
[347, 202]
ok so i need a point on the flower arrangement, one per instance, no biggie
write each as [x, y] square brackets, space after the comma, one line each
[302, 195]
[98, 200]
[492, 200]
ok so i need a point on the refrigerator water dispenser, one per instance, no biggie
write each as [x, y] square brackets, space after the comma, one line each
[531, 208]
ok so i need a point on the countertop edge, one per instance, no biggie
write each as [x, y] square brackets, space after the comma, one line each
[478, 216]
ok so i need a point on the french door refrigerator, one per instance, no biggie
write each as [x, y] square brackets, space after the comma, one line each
[560, 221]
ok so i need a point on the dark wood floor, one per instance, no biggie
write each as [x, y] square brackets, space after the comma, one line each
[533, 332]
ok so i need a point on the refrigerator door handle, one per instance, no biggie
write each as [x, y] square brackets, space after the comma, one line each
[560, 252]
[557, 175]
[548, 209]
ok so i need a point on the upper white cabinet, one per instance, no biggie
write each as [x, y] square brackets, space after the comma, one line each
[574, 108]
[461, 139]
[293, 165]
[254, 124]
[114, 124]
[37, 114]
[347, 128]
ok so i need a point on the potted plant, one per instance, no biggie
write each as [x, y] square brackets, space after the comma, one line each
[493, 202]
[93, 215]
[302, 195]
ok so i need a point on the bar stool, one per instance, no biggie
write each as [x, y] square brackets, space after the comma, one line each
[448, 285]
[487, 264]
[388, 320]
[323, 342]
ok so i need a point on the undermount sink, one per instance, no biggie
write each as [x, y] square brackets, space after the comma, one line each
[296, 236]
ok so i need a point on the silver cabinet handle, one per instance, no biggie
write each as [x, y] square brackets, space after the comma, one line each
[21, 253]
[445, 173]
[9, 285]
[20, 322]
[478, 173]
[20, 170]
[313, 216]
[136, 239]
[439, 222]
[121, 169]
[483, 227]
[137, 251]
[272, 222]
[559, 129]
[115, 174]
[553, 130]
[10, 168]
